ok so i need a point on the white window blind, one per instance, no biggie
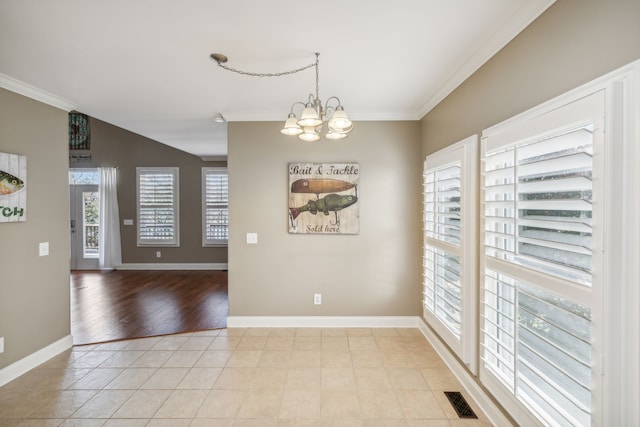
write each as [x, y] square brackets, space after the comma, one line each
[539, 346]
[157, 206]
[449, 241]
[538, 287]
[215, 206]
[538, 204]
[442, 267]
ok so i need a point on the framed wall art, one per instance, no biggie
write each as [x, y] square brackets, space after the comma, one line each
[79, 135]
[13, 187]
[323, 198]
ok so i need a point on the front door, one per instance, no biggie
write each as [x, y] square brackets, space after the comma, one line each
[85, 223]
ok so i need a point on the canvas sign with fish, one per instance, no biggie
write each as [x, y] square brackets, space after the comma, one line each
[323, 198]
[13, 187]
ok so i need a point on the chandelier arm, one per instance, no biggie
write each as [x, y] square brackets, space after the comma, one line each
[248, 73]
[328, 110]
[326, 104]
[297, 103]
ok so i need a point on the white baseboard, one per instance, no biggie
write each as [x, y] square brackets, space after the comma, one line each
[322, 321]
[175, 266]
[477, 393]
[35, 359]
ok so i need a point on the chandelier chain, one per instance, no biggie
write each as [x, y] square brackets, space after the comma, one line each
[283, 73]
[317, 76]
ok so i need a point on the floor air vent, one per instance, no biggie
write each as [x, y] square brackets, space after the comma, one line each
[460, 404]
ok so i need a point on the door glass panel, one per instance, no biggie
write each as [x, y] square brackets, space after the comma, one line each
[84, 177]
[90, 223]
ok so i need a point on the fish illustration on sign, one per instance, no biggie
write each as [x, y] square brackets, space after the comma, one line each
[10, 184]
[320, 186]
[329, 203]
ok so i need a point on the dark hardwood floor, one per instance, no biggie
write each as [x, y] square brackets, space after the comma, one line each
[116, 305]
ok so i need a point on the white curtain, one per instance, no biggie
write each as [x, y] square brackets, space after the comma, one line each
[110, 253]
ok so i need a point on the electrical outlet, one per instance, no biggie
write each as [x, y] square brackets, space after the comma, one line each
[252, 238]
[317, 299]
[158, 254]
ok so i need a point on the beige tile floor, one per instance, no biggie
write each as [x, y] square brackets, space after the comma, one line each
[242, 377]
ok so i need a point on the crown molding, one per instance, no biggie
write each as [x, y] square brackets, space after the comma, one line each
[528, 13]
[33, 92]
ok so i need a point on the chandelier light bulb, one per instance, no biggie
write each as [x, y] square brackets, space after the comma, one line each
[291, 126]
[309, 117]
[309, 135]
[333, 135]
[340, 121]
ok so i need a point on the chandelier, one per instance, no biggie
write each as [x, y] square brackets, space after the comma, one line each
[313, 114]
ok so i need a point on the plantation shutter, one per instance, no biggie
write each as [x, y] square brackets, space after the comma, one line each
[538, 216]
[158, 206]
[442, 267]
[449, 244]
[538, 204]
[215, 206]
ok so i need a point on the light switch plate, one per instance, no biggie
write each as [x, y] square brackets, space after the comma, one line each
[1, 344]
[127, 222]
[252, 238]
[43, 248]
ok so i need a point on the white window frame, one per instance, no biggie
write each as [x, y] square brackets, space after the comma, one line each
[205, 172]
[614, 295]
[175, 241]
[465, 154]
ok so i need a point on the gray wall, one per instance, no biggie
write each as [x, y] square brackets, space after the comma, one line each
[34, 290]
[114, 146]
[374, 273]
[573, 42]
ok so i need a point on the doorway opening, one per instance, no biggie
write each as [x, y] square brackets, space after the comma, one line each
[84, 219]
[110, 305]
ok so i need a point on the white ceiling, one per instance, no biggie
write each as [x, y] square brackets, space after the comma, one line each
[144, 65]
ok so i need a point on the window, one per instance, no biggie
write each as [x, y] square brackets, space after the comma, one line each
[84, 177]
[215, 206]
[541, 213]
[157, 206]
[558, 320]
[449, 295]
